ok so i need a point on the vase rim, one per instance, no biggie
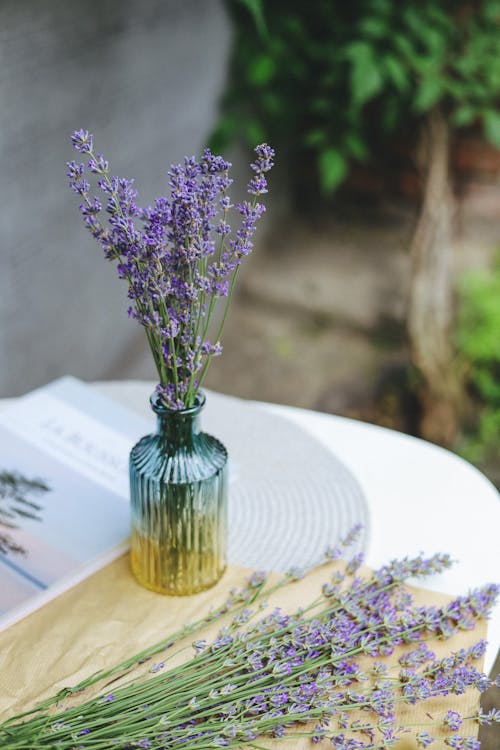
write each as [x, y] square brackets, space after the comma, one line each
[159, 408]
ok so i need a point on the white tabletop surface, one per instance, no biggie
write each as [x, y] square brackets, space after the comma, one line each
[422, 498]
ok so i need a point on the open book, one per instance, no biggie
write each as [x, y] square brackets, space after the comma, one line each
[64, 491]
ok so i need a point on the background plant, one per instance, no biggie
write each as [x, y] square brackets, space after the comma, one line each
[335, 81]
[478, 345]
[335, 84]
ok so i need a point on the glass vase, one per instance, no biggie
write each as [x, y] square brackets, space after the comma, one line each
[178, 490]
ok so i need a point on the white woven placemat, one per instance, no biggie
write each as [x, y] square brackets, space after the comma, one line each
[289, 496]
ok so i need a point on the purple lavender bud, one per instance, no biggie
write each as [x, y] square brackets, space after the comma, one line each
[223, 228]
[295, 574]
[319, 733]
[257, 579]
[354, 564]
[478, 650]
[419, 656]
[278, 731]
[157, 667]
[452, 720]
[491, 717]
[82, 140]
[333, 553]
[199, 646]
[97, 164]
[257, 185]
[265, 158]
[263, 163]
[212, 164]
[424, 739]
[75, 170]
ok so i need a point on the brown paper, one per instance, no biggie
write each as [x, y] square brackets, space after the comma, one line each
[110, 617]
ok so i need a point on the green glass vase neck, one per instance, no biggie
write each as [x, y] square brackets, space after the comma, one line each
[178, 427]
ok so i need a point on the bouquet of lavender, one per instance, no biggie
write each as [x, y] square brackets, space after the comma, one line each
[338, 671]
[179, 256]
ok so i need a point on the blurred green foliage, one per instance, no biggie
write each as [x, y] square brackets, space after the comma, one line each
[478, 346]
[334, 80]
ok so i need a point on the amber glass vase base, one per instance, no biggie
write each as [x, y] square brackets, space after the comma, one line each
[163, 572]
[175, 589]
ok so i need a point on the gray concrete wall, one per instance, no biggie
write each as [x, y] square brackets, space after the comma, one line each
[144, 76]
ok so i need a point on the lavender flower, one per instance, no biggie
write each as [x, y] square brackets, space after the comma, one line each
[491, 717]
[471, 743]
[269, 677]
[455, 742]
[452, 720]
[424, 739]
[179, 257]
[157, 667]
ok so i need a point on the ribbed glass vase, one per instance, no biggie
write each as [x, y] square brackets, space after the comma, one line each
[178, 490]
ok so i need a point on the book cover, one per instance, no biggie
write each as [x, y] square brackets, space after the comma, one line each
[64, 495]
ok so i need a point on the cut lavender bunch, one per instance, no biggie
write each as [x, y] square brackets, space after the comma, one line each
[236, 604]
[178, 257]
[337, 670]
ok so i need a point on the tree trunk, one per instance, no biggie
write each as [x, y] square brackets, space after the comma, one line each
[430, 311]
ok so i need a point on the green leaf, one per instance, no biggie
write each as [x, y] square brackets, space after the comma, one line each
[486, 382]
[478, 329]
[463, 116]
[403, 45]
[315, 138]
[355, 146]
[432, 33]
[374, 27]
[435, 42]
[256, 10]
[332, 169]
[262, 70]
[428, 93]
[491, 126]
[491, 11]
[442, 19]
[456, 90]
[366, 79]
[396, 73]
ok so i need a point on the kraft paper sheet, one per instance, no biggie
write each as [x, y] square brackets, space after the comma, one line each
[109, 617]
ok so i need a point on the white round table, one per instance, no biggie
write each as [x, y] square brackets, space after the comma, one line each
[422, 498]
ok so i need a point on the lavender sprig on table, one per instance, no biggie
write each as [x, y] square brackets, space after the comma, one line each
[337, 671]
[179, 256]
